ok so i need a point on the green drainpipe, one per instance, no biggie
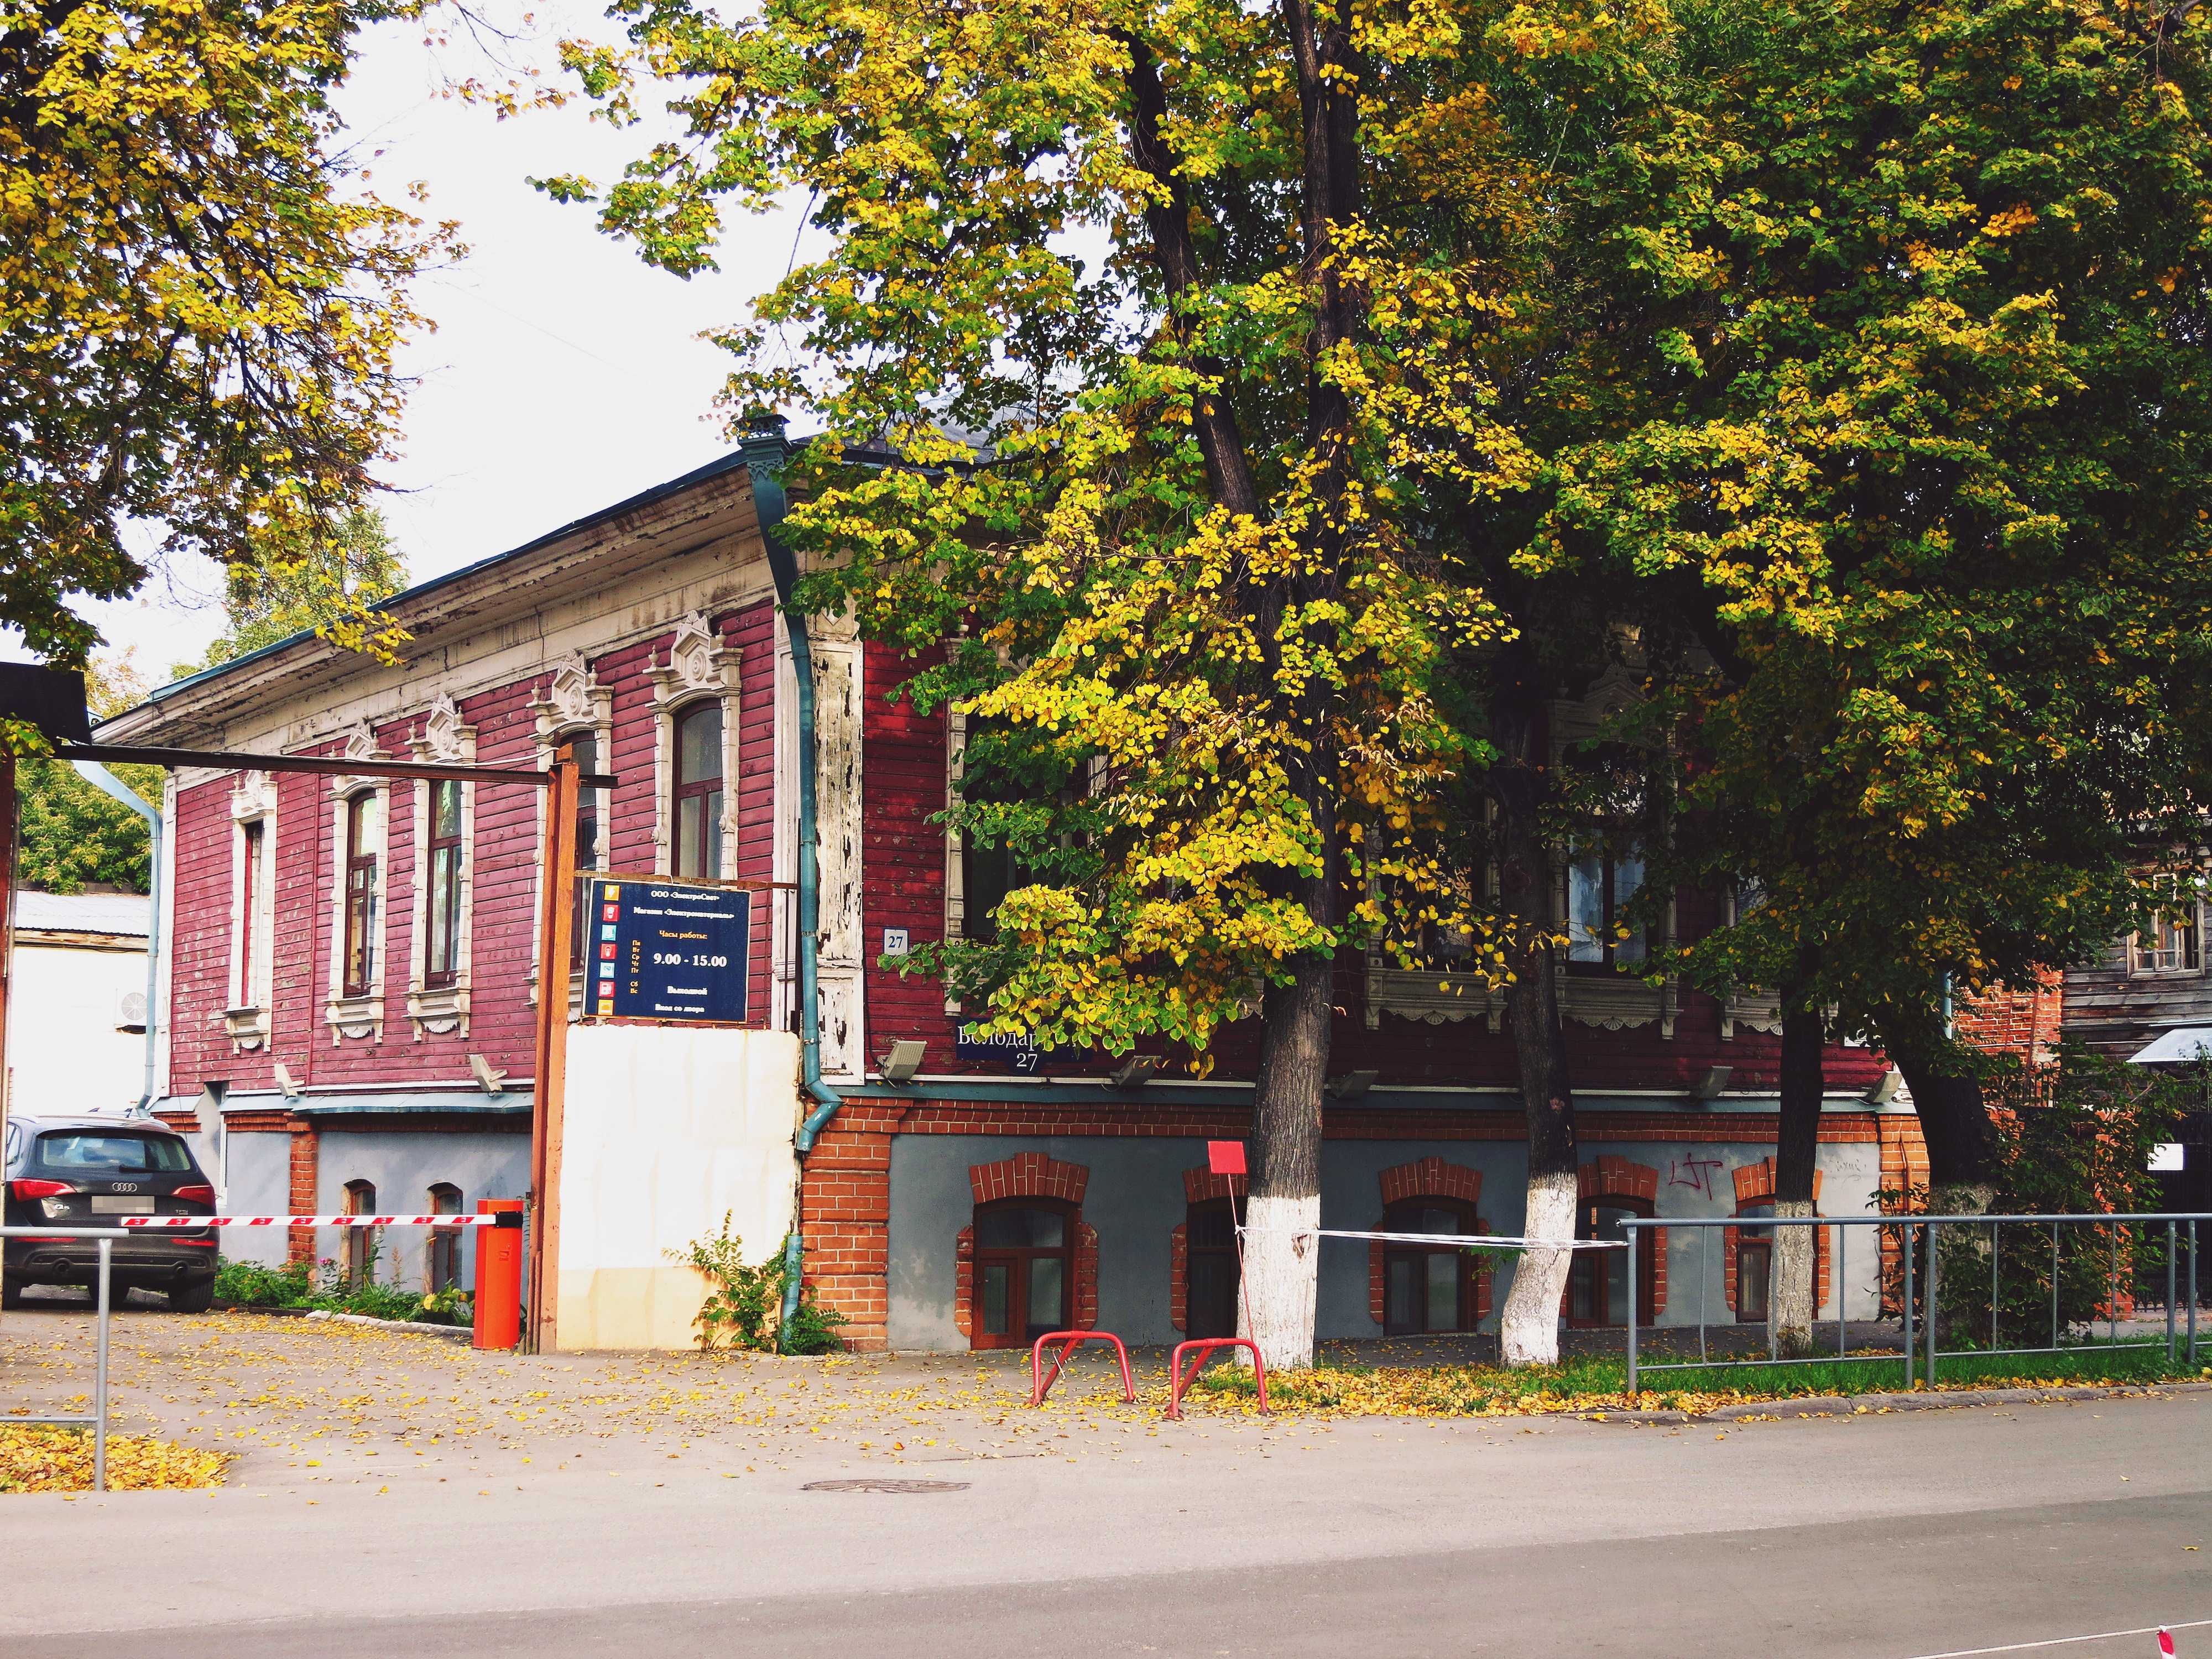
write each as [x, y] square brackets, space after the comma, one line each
[765, 453]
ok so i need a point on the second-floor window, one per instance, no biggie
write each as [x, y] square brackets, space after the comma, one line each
[1598, 891]
[249, 916]
[2171, 946]
[358, 951]
[442, 962]
[698, 801]
[586, 748]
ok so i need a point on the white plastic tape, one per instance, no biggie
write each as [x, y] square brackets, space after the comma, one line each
[512, 1218]
[1478, 1241]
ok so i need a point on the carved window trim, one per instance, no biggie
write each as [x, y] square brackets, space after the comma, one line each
[700, 664]
[252, 814]
[358, 1016]
[441, 1010]
[574, 704]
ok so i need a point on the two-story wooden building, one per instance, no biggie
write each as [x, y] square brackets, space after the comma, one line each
[350, 972]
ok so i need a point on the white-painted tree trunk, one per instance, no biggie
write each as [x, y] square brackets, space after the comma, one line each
[1282, 1279]
[1790, 1295]
[1529, 1331]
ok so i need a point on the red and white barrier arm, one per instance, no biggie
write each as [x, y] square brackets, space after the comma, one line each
[502, 1218]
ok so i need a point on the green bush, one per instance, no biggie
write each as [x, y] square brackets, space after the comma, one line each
[745, 1302]
[258, 1285]
[2074, 1138]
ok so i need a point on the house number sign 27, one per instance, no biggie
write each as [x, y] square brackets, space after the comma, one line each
[662, 950]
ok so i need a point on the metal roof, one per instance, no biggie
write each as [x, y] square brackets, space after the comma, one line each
[729, 463]
[2183, 1043]
[121, 913]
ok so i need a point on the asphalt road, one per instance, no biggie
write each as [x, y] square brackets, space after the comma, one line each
[1890, 1537]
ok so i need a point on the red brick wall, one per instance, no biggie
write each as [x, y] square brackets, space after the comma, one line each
[2022, 1023]
[1426, 1178]
[1754, 1185]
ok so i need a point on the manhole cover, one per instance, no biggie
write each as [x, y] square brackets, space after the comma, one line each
[885, 1485]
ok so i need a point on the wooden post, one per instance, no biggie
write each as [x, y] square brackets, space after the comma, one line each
[555, 931]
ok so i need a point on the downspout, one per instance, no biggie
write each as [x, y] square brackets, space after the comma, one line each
[765, 453]
[107, 783]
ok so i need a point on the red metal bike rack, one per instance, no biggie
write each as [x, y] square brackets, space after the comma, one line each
[1041, 1384]
[1206, 1346]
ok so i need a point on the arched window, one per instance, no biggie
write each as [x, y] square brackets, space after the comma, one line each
[443, 1269]
[1597, 1284]
[1023, 1268]
[698, 803]
[1754, 1266]
[1427, 1290]
[1210, 1270]
[358, 953]
[359, 1248]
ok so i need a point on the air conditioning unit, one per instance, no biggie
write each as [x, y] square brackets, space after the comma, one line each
[130, 1010]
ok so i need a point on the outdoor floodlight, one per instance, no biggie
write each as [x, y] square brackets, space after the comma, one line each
[1134, 1073]
[1713, 1084]
[287, 1082]
[487, 1079]
[1352, 1085]
[903, 1060]
[1884, 1089]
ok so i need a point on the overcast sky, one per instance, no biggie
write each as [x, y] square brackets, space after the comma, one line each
[563, 375]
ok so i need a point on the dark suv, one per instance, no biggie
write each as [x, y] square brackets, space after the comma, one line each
[92, 1172]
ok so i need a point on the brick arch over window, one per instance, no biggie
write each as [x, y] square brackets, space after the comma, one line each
[1754, 1184]
[1198, 1185]
[1427, 1177]
[1030, 1175]
[1608, 1176]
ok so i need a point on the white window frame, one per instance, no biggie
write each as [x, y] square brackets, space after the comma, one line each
[356, 1019]
[246, 1017]
[700, 666]
[575, 705]
[440, 1010]
[2143, 961]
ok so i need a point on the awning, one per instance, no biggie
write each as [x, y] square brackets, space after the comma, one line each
[2183, 1043]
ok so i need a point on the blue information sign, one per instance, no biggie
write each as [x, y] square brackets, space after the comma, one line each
[660, 950]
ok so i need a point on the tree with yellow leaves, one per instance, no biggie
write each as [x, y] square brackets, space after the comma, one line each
[198, 305]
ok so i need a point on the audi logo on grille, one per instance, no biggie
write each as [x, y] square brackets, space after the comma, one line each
[123, 1187]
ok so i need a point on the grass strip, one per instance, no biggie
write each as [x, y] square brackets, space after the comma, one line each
[1596, 1383]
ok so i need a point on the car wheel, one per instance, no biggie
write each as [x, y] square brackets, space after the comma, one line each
[11, 1294]
[192, 1298]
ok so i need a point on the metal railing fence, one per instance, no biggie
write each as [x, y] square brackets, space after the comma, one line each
[106, 1236]
[1913, 1255]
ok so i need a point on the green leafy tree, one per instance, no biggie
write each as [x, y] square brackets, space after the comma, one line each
[199, 303]
[301, 582]
[1906, 409]
[72, 834]
[1170, 526]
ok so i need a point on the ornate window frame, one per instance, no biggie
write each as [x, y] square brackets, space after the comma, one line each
[575, 705]
[246, 1018]
[356, 1017]
[440, 1010]
[700, 664]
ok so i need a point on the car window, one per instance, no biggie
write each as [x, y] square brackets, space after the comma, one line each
[123, 1154]
[14, 1149]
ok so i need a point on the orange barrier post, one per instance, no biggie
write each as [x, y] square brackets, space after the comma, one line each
[499, 1278]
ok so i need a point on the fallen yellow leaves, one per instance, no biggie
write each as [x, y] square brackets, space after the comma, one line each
[60, 1460]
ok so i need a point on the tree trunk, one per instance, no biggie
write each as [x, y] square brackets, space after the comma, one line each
[1528, 1332]
[1793, 1280]
[1962, 1142]
[1281, 1259]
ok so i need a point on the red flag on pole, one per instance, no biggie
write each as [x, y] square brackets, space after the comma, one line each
[1225, 1157]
